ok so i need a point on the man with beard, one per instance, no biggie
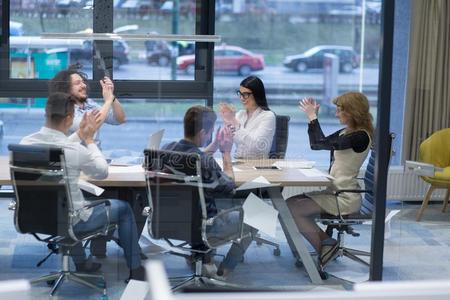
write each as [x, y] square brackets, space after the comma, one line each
[74, 82]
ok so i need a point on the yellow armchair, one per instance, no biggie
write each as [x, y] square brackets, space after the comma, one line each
[436, 150]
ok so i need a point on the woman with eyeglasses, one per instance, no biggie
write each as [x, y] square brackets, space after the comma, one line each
[254, 126]
[349, 148]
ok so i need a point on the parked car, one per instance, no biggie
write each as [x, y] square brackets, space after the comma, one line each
[160, 52]
[313, 58]
[84, 54]
[227, 58]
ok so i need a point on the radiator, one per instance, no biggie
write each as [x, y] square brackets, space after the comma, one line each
[400, 186]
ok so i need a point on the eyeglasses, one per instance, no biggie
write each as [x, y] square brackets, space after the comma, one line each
[244, 95]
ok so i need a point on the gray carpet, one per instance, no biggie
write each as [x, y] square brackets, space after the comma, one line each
[415, 250]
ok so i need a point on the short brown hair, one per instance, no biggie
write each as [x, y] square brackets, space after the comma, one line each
[58, 106]
[198, 118]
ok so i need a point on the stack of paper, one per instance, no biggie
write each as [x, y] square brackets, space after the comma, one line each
[315, 173]
[283, 164]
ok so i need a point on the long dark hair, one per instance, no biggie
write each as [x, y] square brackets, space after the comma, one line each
[61, 83]
[256, 85]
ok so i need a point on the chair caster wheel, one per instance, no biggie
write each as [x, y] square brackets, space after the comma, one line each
[50, 282]
[324, 275]
[276, 252]
[298, 264]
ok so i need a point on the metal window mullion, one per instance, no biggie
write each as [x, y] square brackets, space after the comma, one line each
[381, 139]
[103, 22]
[4, 44]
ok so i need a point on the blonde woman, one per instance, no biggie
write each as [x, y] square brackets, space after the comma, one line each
[349, 147]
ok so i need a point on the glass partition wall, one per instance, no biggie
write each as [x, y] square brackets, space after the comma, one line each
[285, 43]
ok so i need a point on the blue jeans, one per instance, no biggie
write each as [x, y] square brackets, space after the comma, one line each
[120, 214]
[222, 228]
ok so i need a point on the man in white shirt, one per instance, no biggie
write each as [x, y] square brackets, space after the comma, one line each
[59, 114]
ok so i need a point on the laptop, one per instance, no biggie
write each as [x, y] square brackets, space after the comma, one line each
[154, 140]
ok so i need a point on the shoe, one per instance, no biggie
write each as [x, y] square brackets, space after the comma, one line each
[88, 267]
[137, 274]
[327, 252]
[222, 274]
[209, 270]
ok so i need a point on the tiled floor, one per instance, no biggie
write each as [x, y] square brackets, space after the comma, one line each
[413, 251]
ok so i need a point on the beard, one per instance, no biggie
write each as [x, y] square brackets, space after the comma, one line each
[81, 99]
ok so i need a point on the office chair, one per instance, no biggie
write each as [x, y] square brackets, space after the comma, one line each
[277, 150]
[280, 138]
[344, 223]
[44, 209]
[177, 211]
[435, 150]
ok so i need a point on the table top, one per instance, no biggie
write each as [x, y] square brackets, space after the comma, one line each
[244, 171]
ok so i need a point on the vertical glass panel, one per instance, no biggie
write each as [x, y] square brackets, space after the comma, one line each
[287, 44]
[34, 57]
[156, 60]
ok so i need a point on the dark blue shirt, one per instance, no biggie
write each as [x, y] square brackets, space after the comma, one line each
[218, 183]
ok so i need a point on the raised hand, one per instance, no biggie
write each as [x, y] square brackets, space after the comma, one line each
[228, 113]
[225, 139]
[88, 127]
[107, 89]
[310, 107]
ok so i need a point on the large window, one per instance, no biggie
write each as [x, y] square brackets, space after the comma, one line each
[284, 43]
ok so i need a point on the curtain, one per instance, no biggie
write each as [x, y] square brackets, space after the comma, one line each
[428, 83]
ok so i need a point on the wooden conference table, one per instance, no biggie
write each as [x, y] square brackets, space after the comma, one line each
[133, 177]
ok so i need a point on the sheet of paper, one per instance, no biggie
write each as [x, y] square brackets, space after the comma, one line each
[135, 290]
[315, 173]
[260, 215]
[285, 164]
[258, 182]
[90, 188]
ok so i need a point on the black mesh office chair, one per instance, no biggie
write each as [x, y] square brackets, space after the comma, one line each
[44, 208]
[177, 211]
[344, 223]
[280, 138]
[277, 150]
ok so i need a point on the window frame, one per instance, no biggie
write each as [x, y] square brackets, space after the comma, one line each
[199, 88]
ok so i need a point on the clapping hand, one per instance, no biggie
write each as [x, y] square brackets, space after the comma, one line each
[228, 113]
[107, 89]
[88, 127]
[225, 139]
[310, 107]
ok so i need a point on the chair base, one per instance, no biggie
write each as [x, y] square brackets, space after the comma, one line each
[347, 252]
[65, 274]
[199, 280]
[259, 241]
[202, 281]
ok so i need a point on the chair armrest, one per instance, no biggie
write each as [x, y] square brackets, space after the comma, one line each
[336, 193]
